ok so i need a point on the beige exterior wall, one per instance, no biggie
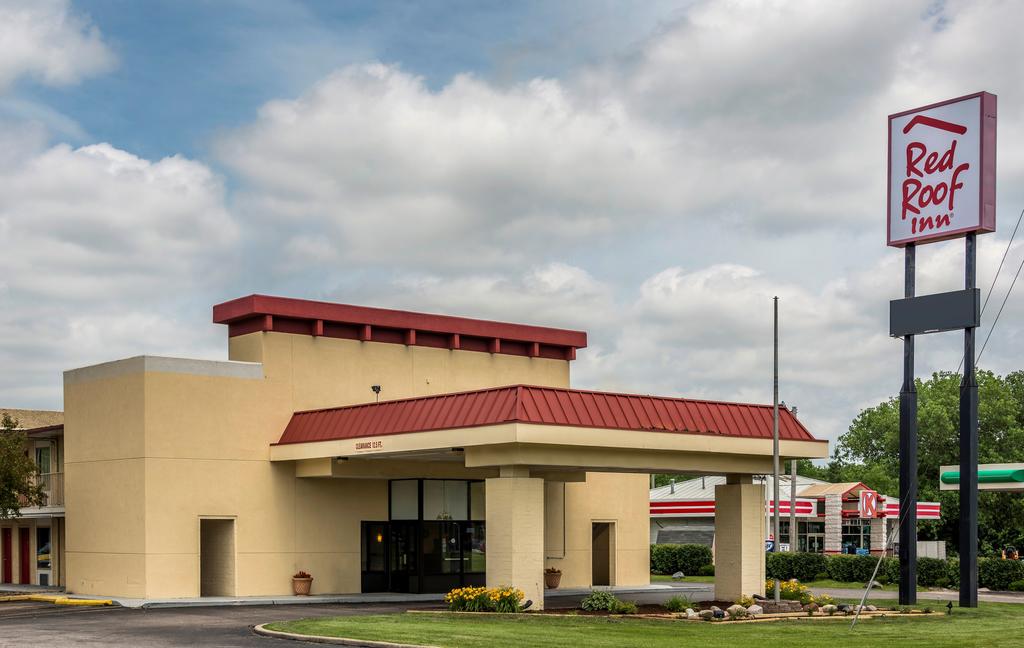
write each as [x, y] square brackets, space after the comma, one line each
[153, 445]
[739, 539]
[621, 499]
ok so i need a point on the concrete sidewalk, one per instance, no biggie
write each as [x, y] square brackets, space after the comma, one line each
[922, 595]
[381, 597]
[14, 588]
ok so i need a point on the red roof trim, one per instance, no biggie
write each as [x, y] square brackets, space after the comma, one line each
[300, 316]
[537, 405]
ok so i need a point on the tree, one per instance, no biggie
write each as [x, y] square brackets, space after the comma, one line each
[19, 485]
[869, 452]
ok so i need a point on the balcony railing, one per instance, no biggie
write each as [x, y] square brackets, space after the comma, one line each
[53, 488]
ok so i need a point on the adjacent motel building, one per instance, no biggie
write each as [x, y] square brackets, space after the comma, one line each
[32, 546]
[386, 450]
[831, 518]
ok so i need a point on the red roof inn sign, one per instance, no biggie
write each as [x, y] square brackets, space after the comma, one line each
[942, 170]
[942, 185]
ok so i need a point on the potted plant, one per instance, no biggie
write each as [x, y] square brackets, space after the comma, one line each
[552, 577]
[301, 583]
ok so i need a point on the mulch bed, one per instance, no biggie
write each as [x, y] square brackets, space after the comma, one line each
[640, 609]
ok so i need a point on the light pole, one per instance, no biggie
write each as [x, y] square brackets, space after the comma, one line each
[775, 442]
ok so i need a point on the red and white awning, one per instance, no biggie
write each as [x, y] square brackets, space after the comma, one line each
[925, 510]
[706, 508]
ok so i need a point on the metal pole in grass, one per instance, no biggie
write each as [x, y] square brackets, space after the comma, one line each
[889, 537]
[775, 445]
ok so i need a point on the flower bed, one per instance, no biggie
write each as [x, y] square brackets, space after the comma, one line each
[505, 600]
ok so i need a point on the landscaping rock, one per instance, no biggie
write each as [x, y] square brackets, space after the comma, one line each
[690, 614]
[718, 614]
[870, 608]
[754, 610]
[844, 608]
[875, 584]
[830, 609]
[678, 576]
[758, 597]
[737, 611]
[810, 607]
[715, 608]
[706, 614]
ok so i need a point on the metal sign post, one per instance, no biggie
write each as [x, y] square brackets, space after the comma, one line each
[942, 185]
[969, 451]
[908, 452]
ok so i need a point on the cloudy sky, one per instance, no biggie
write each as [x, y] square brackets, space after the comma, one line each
[651, 172]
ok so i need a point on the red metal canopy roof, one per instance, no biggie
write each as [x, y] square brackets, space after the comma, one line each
[546, 406]
[304, 317]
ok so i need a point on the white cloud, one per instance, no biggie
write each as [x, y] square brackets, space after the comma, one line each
[387, 169]
[101, 252]
[45, 40]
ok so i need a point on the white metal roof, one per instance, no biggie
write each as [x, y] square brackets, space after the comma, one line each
[703, 488]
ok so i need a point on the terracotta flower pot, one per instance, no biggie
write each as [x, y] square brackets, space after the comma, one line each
[552, 579]
[301, 586]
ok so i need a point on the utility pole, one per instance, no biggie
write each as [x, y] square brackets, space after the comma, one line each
[775, 440]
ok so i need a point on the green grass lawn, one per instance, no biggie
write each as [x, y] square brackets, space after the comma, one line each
[891, 587]
[993, 624]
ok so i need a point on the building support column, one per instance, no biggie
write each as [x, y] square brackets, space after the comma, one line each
[833, 524]
[515, 533]
[878, 536]
[739, 538]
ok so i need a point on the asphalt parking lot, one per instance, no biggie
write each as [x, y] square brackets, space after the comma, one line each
[45, 624]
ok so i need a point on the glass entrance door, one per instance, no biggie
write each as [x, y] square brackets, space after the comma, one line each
[401, 556]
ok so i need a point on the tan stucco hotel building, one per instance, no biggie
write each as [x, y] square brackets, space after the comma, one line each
[385, 450]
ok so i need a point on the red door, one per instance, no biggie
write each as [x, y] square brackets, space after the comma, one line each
[5, 554]
[26, 564]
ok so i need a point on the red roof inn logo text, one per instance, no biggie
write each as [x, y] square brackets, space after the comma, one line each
[942, 170]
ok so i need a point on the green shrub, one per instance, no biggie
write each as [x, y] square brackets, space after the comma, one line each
[931, 570]
[953, 572]
[599, 600]
[706, 570]
[823, 575]
[851, 569]
[686, 558]
[997, 574]
[678, 603]
[891, 569]
[803, 566]
[1016, 586]
[624, 607]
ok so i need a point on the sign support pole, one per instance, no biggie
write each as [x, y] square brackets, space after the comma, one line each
[908, 454]
[775, 440]
[969, 451]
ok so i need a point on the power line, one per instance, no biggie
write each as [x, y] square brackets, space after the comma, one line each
[994, 322]
[992, 287]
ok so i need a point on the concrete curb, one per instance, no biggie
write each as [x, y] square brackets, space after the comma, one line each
[56, 600]
[262, 629]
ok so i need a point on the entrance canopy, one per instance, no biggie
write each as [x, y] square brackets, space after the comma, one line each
[549, 429]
